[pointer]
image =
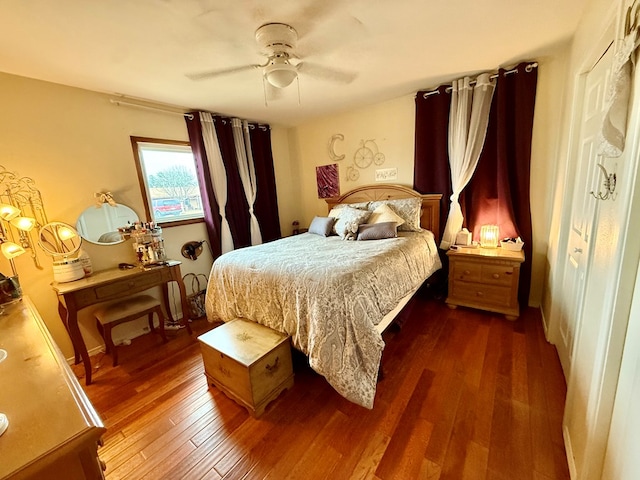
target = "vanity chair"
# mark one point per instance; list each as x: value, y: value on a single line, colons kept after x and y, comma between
x: 128, y: 309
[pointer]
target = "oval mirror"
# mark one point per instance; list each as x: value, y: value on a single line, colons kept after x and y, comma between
x: 59, y: 239
x: 100, y: 225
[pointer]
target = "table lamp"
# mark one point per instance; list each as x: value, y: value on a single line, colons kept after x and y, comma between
x: 489, y: 236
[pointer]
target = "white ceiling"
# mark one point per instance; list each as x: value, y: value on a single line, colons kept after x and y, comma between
x: 144, y: 48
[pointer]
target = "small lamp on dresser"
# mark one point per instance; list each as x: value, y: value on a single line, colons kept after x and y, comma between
x: 489, y: 236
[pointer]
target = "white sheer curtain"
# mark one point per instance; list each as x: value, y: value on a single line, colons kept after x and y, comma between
x: 468, y: 120
x: 219, y: 177
x: 247, y: 172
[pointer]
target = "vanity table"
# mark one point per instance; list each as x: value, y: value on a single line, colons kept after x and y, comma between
x: 110, y: 285
x: 54, y: 431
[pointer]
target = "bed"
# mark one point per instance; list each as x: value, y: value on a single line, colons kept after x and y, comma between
x: 333, y: 296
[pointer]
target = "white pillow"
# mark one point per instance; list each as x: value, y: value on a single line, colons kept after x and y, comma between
x: 349, y: 219
x: 383, y: 214
x: 409, y: 209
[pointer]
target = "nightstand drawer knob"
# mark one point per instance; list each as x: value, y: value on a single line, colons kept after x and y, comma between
x: 479, y: 294
x: 467, y: 272
x: 496, y: 275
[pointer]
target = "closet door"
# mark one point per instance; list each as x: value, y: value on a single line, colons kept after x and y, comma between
x: 583, y: 208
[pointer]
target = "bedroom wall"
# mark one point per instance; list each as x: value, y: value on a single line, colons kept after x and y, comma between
x: 74, y: 143
x: 392, y: 125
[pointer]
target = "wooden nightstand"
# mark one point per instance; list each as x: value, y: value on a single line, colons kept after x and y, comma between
x: 485, y: 278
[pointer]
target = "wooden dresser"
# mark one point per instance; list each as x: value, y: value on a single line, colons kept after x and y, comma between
x: 485, y: 278
x: 54, y: 431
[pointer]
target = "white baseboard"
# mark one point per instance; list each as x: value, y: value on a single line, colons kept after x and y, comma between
x: 92, y: 352
x: 545, y: 324
x: 569, y: 451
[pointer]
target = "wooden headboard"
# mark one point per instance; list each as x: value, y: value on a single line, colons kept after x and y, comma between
x: 429, y: 219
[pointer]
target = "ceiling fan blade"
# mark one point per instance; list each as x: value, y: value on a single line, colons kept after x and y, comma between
x: 327, y: 73
x: 218, y: 73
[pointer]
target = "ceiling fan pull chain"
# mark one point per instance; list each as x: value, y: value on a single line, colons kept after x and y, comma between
x: 264, y: 91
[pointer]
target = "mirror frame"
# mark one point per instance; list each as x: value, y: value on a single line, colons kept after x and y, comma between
x: 49, y: 235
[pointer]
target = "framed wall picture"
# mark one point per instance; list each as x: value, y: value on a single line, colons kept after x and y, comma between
x: 328, y: 181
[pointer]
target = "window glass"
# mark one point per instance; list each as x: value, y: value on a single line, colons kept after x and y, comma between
x: 169, y: 180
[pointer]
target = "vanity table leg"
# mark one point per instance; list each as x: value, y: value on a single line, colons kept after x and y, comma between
x: 183, y: 304
x: 78, y: 342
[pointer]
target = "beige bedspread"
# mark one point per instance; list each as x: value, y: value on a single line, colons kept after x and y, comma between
x: 327, y: 294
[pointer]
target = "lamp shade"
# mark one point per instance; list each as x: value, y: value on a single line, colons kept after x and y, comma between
x: 489, y: 236
x: 280, y: 73
x: 8, y: 212
x: 25, y: 224
x: 11, y: 250
x: 65, y: 233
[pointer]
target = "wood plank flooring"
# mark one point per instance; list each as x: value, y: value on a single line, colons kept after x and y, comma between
x: 465, y: 395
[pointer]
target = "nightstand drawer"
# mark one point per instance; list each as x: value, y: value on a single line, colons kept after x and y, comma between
x: 485, y: 294
x: 497, y: 274
x: 467, y: 271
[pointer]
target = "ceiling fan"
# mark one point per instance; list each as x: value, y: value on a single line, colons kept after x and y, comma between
x: 278, y: 41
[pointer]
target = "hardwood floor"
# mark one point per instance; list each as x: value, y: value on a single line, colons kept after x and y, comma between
x: 465, y: 395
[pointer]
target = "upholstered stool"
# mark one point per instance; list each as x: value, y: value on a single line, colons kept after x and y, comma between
x: 131, y: 308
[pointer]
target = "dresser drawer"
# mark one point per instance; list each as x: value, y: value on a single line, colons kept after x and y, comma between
x: 481, y: 293
x: 467, y: 271
x: 497, y: 274
x: 131, y: 285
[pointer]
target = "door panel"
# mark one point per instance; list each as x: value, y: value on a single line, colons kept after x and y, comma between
x: 582, y: 208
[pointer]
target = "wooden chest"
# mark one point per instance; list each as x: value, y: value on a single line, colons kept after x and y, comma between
x: 487, y: 279
x: 250, y: 363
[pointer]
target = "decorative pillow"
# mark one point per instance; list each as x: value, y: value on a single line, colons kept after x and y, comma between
x: 348, y: 221
x: 322, y: 226
x: 377, y: 231
x: 384, y: 214
x: 360, y: 205
x: 408, y: 208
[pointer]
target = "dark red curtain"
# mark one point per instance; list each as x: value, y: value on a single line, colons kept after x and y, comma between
x: 211, y: 215
x: 499, y: 190
x: 237, y: 208
x: 431, y: 172
x: 266, y: 204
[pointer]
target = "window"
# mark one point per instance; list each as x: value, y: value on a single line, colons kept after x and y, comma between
x: 168, y: 179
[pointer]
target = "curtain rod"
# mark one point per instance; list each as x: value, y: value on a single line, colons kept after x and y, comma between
x: 252, y: 125
x: 148, y: 107
x: 527, y: 69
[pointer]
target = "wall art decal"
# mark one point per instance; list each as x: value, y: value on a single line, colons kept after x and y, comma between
x: 332, y: 147
x: 328, y: 181
x: 367, y: 154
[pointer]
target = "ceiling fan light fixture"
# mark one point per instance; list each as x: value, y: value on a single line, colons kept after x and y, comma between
x: 280, y: 74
